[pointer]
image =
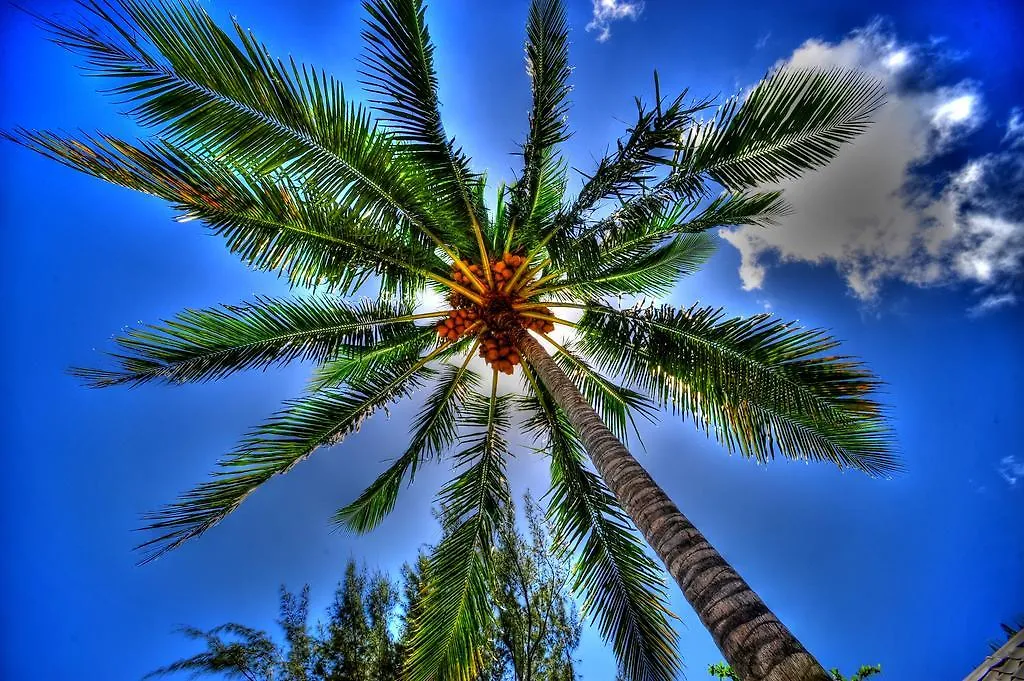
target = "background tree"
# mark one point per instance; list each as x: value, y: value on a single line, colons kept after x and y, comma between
x: 414, y: 592
x: 299, y: 180
x: 233, y: 651
x: 535, y: 628
x: 371, y: 621
x: 300, y: 647
x: 535, y: 618
x: 354, y: 644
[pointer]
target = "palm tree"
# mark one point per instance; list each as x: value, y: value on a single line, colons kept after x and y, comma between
x: 335, y: 195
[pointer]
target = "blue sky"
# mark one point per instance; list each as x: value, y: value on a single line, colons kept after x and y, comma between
x: 909, y: 248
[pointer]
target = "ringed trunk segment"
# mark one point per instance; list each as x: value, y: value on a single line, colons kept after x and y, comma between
x: 751, y: 638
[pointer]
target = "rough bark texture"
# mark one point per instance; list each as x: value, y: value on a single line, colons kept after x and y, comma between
x: 752, y: 639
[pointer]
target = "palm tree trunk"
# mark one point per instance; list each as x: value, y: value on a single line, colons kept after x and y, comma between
x: 752, y: 639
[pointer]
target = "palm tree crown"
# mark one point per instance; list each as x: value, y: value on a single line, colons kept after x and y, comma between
x: 299, y: 179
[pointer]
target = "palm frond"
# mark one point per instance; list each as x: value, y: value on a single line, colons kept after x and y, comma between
x: 268, y: 220
x: 793, y: 121
x: 400, y: 70
x: 546, y: 205
x: 761, y: 385
x: 647, y: 219
x: 184, y: 75
x: 547, y: 62
x: 478, y: 189
x: 625, y: 171
x: 537, y: 194
x: 323, y: 418
x: 760, y: 209
x: 622, y: 587
x: 455, y: 617
x: 434, y: 431
x: 649, y: 222
x: 641, y: 267
x: 355, y: 361
x: 203, y: 345
x: 643, y: 224
x: 498, y: 227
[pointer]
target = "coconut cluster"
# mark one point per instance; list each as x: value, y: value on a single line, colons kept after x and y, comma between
x: 498, y: 351
x: 497, y: 311
x: 502, y: 270
x: 457, y: 322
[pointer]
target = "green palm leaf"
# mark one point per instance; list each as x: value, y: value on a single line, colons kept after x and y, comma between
x: 541, y: 209
x: 793, y: 121
x: 630, y: 245
x: 478, y: 188
x: 400, y: 70
x: 269, y: 221
x: 646, y: 223
x: 641, y: 267
x: 762, y: 386
x: 203, y: 345
x: 547, y: 62
x: 456, y: 611
x: 626, y: 170
x: 322, y: 418
x: 186, y: 76
x: 622, y: 587
x: 538, y: 193
x: 760, y: 209
x: 434, y: 431
x: 356, y: 361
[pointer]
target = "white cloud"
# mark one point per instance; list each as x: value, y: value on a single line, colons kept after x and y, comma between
x: 897, y: 59
x: 762, y: 41
x: 956, y: 113
x: 1015, y: 128
x: 1011, y: 470
x: 869, y: 215
x: 991, y: 246
x: 607, y: 11
x: 969, y: 175
x: 992, y: 302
